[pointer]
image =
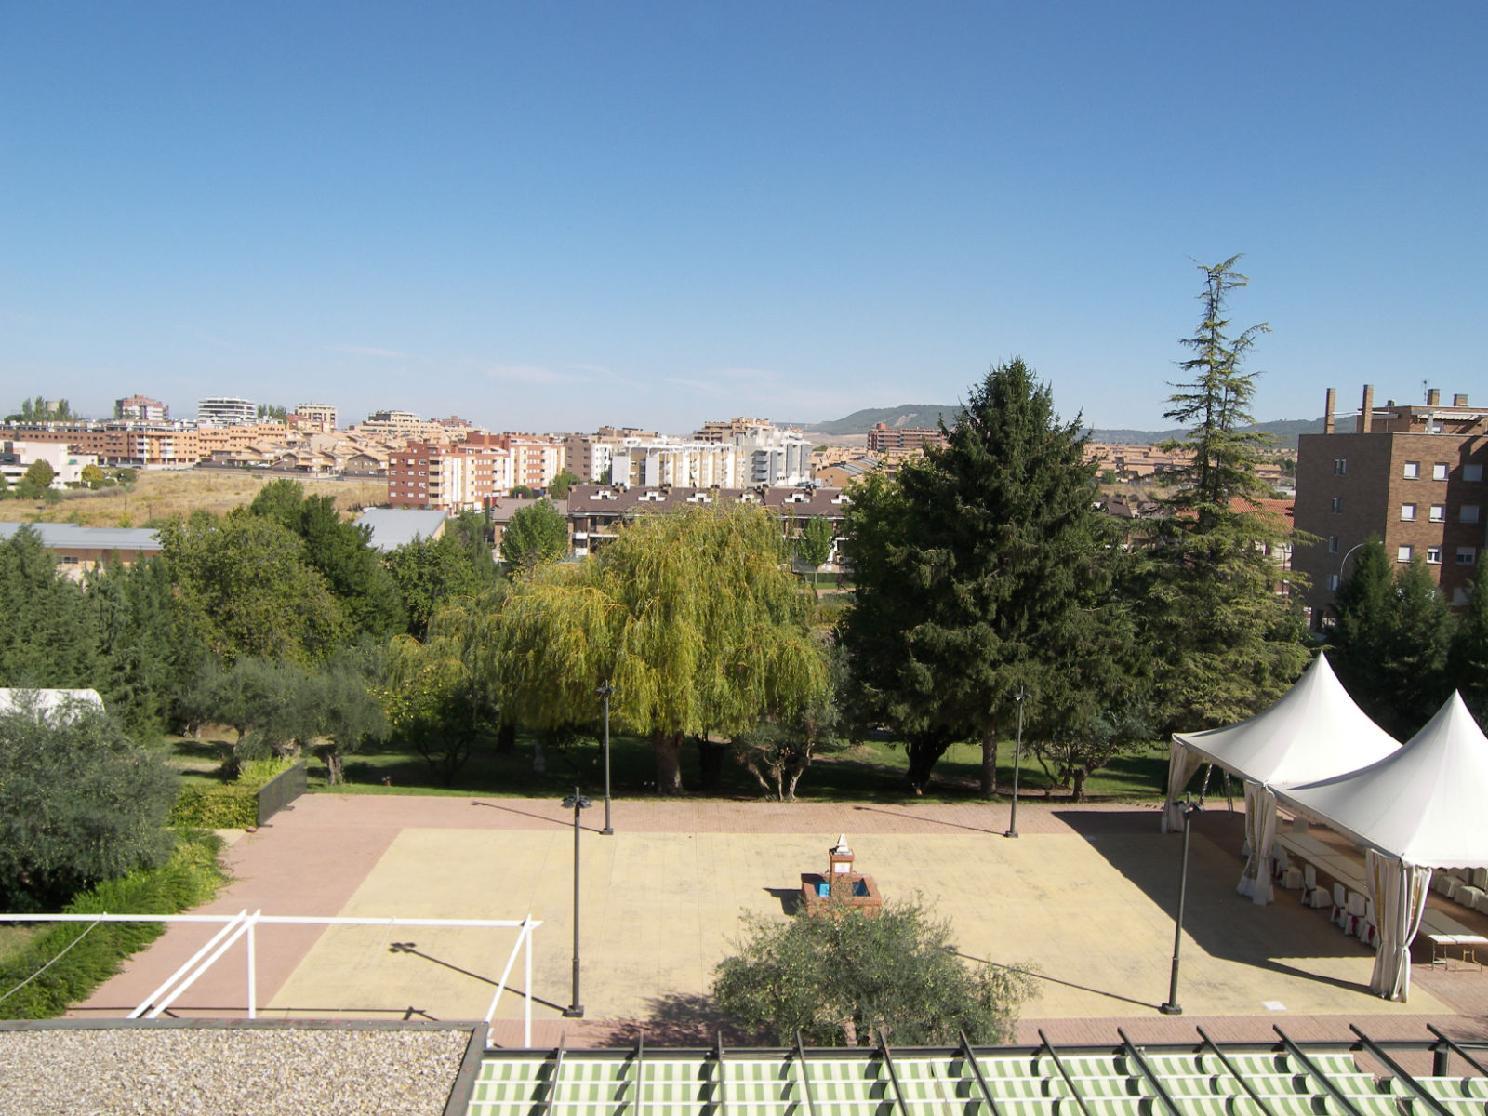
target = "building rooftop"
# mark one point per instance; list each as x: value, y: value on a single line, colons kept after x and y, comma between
x: 69, y: 536
x: 395, y: 527
x: 601, y: 499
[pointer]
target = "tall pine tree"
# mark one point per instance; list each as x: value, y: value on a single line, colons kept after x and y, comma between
x: 980, y: 572
x: 1229, y: 638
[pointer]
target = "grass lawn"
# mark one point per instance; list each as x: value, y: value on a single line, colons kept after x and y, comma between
x: 869, y: 772
x: 161, y: 495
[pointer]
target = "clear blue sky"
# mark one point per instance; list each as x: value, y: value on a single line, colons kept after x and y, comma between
x: 554, y: 215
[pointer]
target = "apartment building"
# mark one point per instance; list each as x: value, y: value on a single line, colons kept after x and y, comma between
x: 225, y: 410
x: 885, y: 439
x: 317, y: 417
x: 1408, y: 475
x: 536, y: 459
x: 141, y: 408
x: 729, y: 430
x: 402, y: 426
x: 118, y: 443
x: 681, y: 464
x: 448, y: 477
x: 67, y: 464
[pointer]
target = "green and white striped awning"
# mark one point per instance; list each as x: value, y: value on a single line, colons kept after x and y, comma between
x: 1287, y: 1079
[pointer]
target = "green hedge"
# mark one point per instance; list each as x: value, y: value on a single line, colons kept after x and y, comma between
x: 226, y: 806
x: 189, y: 878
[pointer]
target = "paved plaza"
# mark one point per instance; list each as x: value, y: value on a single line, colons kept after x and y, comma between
x: 1083, y: 898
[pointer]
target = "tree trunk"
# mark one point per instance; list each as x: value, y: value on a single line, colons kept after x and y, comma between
x: 710, y: 763
x: 332, y: 759
x: 924, y: 750
x: 668, y: 747
x: 506, y: 739
x: 987, y: 776
x: 539, y: 755
x: 1077, y: 779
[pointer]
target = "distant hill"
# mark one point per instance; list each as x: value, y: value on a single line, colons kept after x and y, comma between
x: 925, y: 415
x: 1285, y: 432
x: 906, y: 414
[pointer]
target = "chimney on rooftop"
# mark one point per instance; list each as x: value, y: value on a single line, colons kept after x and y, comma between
x: 1366, y: 410
x: 1330, y: 404
x: 1460, y: 399
x: 1433, y: 397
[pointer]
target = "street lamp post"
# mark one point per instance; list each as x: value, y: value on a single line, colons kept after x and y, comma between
x: 604, y: 692
x: 576, y: 802
x: 1012, y: 829
x: 1172, y: 1007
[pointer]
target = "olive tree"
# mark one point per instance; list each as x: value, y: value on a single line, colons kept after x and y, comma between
x: 854, y: 977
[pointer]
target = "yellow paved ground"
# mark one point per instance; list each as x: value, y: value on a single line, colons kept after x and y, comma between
x: 1093, y: 914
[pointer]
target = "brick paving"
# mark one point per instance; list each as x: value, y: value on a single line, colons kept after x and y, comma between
x: 324, y: 855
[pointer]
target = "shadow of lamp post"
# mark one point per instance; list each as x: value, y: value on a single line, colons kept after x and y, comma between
x: 1171, y: 1007
x: 604, y: 692
x: 1012, y: 829
x: 576, y: 802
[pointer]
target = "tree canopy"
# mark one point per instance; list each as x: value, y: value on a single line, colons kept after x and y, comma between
x: 536, y: 534
x: 693, y: 617
x: 981, y: 571
x: 857, y: 979
x: 247, y: 590
x: 1229, y: 636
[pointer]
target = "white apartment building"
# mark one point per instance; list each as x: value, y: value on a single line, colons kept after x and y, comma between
x: 773, y: 457
x: 17, y: 457
x: 683, y: 464
x: 225, y: 410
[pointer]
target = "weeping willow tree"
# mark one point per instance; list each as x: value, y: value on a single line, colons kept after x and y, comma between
x: 694, y: 618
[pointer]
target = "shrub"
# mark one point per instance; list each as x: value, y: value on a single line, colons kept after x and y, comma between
x: 187, y: 879
x: 850, y: 977
x: 79, y: 803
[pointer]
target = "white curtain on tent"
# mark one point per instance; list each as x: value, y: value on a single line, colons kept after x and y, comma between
x: 1260, y: 834
x: 1182, y: 763
x: 1399, y: 893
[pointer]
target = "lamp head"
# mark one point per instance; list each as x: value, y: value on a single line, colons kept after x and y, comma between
x: 604, y: 689
x: 577, y: 802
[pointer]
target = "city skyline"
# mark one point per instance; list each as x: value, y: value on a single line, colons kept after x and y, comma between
x: 550, y: 220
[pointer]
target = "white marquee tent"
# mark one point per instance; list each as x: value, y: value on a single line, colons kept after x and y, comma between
x: 1418, y: 808
x: 1314, y: 732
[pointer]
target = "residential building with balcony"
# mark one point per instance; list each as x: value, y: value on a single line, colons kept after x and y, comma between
x: 141, y: 408
x: 1408, y: 475
x: 225, y: 410
x: 887, y: 439
x: 317, y: 417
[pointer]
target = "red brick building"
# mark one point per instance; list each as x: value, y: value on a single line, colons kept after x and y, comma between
x: 1408, y: 475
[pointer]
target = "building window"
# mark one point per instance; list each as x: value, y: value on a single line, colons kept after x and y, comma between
x: 1338, y: 503
x: 1404, y: 553
x: 1332, y: 582
x: 1412, y: 470
x: 1467, y: 555
x: 1468, y: 513
x: 1433, y: 556
x: 1472, y: 472
x: 1439, y: 471
x: 1332, y: 544
x: 1408, y: 513
x: 1340, y: 466
x: 1437, y: 513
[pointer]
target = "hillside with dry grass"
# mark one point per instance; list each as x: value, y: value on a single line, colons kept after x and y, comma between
x: 162, y: 495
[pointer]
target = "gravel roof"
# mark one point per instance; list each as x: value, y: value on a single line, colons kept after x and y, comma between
x: 294, y: 1070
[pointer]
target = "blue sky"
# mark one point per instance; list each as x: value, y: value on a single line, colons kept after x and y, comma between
x: 547, y: 216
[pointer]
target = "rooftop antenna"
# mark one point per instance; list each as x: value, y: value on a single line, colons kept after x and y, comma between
x: 1426, y: 391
